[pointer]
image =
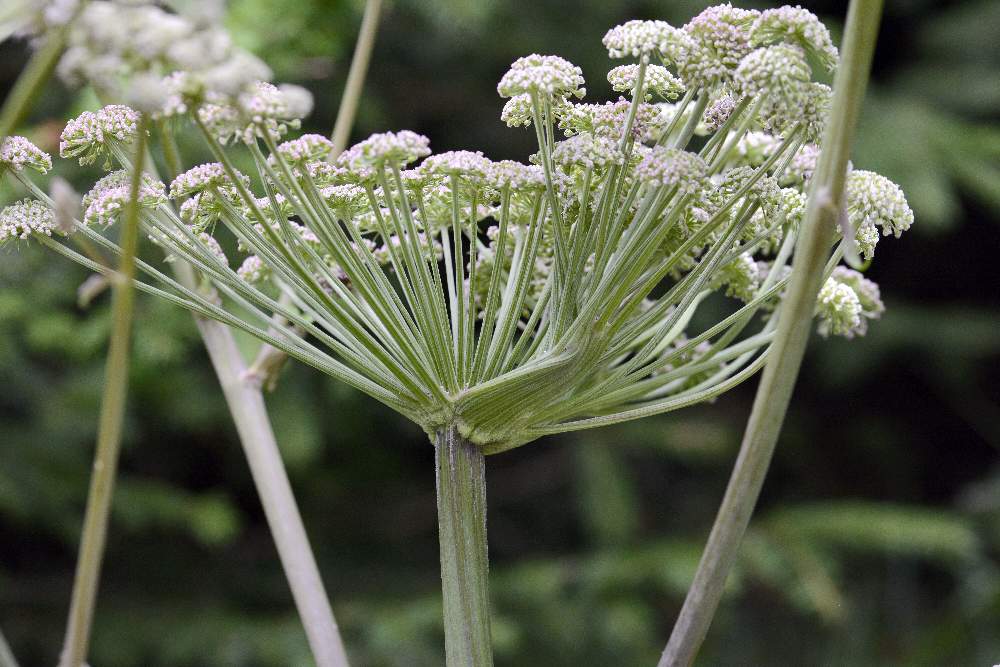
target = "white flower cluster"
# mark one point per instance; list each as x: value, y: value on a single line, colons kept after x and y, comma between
x: 673, y: 168
x: 18, y: 153
x: 87, y: 136
x: 26, y: 217
x: 204, y: 177
x: 587, y: 151
x: 307, y: 148
x: 517, y: 176
x: 640, y: 38
x: 123, y: 48
x: 721, y: 37
x: 398, y: 148
x: 874, y: 200
x: 658, y: 80
x: 778, y: 76
x: 419, y: 277
x: 846, y: 302
x: 797, y: 26
x: 550, y: 76
x: 107, y: 200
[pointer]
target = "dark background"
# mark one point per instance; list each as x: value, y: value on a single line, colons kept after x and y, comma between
x: 877, y: 535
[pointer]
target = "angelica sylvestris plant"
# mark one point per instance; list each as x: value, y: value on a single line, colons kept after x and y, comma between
x: 493, y: 303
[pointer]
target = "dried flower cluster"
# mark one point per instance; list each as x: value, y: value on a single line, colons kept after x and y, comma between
x: 510, y: 300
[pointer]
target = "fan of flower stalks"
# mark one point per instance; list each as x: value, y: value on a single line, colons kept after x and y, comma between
x: 493, y: 303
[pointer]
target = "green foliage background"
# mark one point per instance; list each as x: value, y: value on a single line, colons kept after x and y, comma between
x: 877, y: 537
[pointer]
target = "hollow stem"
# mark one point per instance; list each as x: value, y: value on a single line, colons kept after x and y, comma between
x: 461, y: 499
x: 785, y: 357
x: 109, y: 433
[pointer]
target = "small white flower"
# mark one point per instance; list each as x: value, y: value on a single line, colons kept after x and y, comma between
x: 517, y: 176
x: 839, y: 309
x: 307, y: 148
x: 472, y: 165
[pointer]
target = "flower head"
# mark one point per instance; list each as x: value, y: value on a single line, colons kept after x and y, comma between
x: 639, y: 38
x: 657, y: 81
x: 26, y: 217
x: 847, y: 302
x: 110, y: 195
x: 469, y: 164
x: 778, y: 75
x: 18, y: 153
x: 307, y: 148
x: 201, y: 178
x: 542, y: 75
x: 875, y: 200
x: 87, y: 135
x: 721, y: 35
x: 671, y: 167
x: 795, y: 25
x: 397, y: 148
x: 587, y: 151
x: 517, y: 176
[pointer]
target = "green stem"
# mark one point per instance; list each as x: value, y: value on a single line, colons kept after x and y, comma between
x: 356, y: 76
x: 102, y: 481
x: 785, y: 357
x: 6, y: 655
x: 31, y: 81
x: 461, y: 493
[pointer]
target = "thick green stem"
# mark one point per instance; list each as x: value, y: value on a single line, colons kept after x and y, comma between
x: 785, y: 357
x: 461, y: 500
x: 102, y: 481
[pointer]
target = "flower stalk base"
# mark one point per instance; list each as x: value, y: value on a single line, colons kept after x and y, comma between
x: 461, y: 500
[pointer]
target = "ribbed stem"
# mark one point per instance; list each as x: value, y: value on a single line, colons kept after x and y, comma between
x: 785, y: 357
x: 461, y: 500
x: 109, y: 431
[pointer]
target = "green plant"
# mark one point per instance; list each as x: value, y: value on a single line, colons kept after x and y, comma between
x: 571, y: 311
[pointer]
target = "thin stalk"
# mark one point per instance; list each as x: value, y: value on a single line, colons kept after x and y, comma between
x: 6, y: 655
x: 246, y: 403
x: 785, y: 356
x: 31, y: 81
x: 246, y: 406
x: 356, y: 76
x: 461, y: 500
x: 109, y: 432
